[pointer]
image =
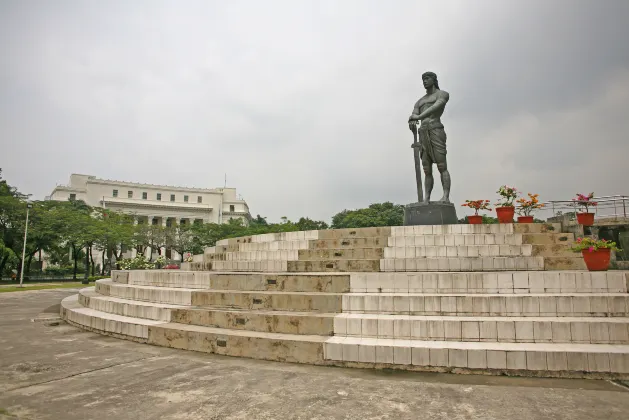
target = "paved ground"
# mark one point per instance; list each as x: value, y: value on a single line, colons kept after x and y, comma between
x: 61, y: 372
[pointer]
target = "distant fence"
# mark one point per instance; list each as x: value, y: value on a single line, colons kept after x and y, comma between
x: 608, y: 207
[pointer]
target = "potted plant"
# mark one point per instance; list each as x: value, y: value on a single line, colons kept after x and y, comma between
x: 526, y: 207
x: 505, y: 208
x: 476, y: 205
x: 585, y: 201
x: 596, y: 252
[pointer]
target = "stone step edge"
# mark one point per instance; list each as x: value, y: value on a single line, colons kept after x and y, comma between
x: 91, y: 293
x: 483, y: 345
x: 353, y: 315
x: 71, y: 303
x: 521, y: 359
x: 146, y: 287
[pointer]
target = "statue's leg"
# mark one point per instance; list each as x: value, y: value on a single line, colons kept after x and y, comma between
x: 442, y: 166
x: 429, y: 181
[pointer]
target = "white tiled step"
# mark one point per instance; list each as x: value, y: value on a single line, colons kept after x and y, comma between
x: 274, y: 246
x: 456, y: 239
x: 462, y: 264
x: 163, y: 278
x: 74, y: 312
x: 518, y: 282
x: 559, y: 304
x: 170, y: 295
x: 132, y: 308
x: 283, y: 255
x: 608, y: 358
x: 458, y: 251
x: 263, y: 266
x: 508, y: 228
x: 273, y: 237
x: 495, y: 329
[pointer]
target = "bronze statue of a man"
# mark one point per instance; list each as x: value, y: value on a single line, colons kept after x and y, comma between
x: 432, y: 137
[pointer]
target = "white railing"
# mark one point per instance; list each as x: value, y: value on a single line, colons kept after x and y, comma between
x: 608, y: 207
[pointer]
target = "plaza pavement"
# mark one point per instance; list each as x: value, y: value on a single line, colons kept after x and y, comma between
x: 50, y: 370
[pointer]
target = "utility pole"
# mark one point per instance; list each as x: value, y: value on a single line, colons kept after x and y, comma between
x: 29, y: 205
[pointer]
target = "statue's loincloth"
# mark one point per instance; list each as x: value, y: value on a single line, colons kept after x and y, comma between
x: 432, y: 138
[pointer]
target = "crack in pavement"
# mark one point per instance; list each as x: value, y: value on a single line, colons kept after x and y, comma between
x: 79, y: 374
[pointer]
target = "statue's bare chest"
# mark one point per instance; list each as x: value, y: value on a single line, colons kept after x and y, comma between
x: 427, y: 101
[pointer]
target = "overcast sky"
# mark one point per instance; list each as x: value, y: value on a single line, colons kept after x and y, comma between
x: 304, y: 103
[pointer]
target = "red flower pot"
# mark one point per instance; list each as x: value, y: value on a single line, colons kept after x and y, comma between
x: 585, y: 219
x: 597, y: 260
x: 525, y: 219
x: 475, y: 220
x: 505, y: 214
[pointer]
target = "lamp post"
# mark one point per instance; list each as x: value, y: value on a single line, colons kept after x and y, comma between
x: 29, y: 205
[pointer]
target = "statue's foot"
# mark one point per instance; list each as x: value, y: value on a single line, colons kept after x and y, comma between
x: 444, y: 200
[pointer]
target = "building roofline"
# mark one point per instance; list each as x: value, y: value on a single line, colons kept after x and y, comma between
x: 95, y: 180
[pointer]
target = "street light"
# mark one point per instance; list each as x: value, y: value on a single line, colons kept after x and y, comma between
x: 29, y: 205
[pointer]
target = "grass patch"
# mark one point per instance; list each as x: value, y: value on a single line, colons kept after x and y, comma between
x: 26, y: 288
x: 5, y: 413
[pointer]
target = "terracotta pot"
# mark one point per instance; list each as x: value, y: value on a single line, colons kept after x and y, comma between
x: 597, y: 260
x: 475, y: 220
x: 505, y: 214
x: 525, y: 219
x: 585, y: 219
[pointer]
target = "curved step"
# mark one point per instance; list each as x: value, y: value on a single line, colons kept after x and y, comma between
x: 589, y: 330
x: 514, y: 282
x: 507, y: 358
x: 285, y: 322
x: 167, y: 295
x: 537, y: 358
x: 459, y: 304
x: 136, y: 329
x: 125, y: 307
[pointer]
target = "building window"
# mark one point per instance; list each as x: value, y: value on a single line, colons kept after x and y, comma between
x: 199, y: 199
x: 159, y: 196
x: 172, y: 197
x: 154, y: 221
x: 115, y: 193
x: 182, y: 222
x: 185, y: 198
x: 198, y: 221
x: 129, y: 194
x: 72, y: 197
x: 168, y: 223
x: 145, y: 196
x: 232, y: 208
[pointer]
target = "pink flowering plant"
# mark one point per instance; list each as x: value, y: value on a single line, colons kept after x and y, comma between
x: 592, y: 244
x: 507, y: 196
x: 584, y: 201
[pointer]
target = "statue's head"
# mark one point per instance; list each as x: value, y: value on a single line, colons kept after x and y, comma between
x: 430, y: 79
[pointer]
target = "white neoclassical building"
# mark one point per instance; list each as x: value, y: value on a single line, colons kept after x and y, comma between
x: 155, y: 204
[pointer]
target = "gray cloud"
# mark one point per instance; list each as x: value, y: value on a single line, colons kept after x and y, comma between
x: 304, y: 104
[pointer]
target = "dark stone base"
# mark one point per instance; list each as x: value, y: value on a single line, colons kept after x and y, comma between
x: 430, y: 214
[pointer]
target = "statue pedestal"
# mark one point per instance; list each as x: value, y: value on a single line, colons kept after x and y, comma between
x: 430, y: 214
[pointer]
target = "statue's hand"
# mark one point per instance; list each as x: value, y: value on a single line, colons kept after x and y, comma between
x: 411, y: 125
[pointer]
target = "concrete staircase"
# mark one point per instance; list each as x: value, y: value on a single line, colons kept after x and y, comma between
x: 499, y: 299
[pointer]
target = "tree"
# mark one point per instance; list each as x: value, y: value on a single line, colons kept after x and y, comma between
x: 306, y: 223
x: 379, y: 214
x: 181, y: 239
x: 116, y: 232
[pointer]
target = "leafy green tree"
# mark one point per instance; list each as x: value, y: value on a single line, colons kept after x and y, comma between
x: 305, y: 223
x: 378, y: 214
x: 181, y: 239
